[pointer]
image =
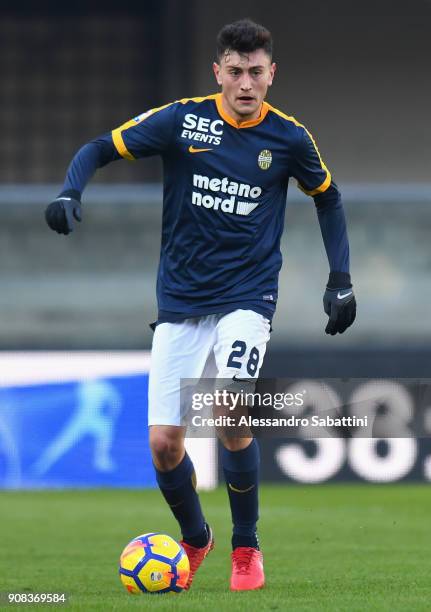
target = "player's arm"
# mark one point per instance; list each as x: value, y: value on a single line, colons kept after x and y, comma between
x: 338, y: 301
x: 66, y: 208
x: 145, y: 135
x: 315, y: 180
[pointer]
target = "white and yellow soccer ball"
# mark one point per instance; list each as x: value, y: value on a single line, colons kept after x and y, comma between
x: 154, y: 563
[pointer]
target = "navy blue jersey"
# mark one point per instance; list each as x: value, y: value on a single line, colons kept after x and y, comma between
x: 225, y: 187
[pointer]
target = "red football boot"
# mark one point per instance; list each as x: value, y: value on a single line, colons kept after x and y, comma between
x: 196, y: 556
x: 247, y: 569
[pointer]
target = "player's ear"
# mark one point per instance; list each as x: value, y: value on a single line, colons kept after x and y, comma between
x: 216, y: 69
x: 272, y: 70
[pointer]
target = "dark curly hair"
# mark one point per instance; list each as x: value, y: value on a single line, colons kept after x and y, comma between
x: 243, y: 36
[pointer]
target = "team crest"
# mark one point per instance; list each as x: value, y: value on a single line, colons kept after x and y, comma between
x: 265, y: 159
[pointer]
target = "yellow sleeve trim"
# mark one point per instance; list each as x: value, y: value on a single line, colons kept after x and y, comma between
x: 321, y: 188
x: 119, y: 142
x: 324, y: 186
x: 117, y: 133
x: 117, y: 136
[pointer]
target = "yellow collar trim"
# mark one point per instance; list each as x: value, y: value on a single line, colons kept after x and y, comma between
x: 245, y: 124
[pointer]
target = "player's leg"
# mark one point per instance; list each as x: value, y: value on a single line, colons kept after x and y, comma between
x: 179, y: 350
x: 241, y: 344
x: 177, y: 481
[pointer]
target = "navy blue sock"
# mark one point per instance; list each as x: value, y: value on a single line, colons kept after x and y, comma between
x: 179, y: 490
x: 241, y: 472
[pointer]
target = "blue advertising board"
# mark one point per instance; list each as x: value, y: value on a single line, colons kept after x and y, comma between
x: 82, y: 433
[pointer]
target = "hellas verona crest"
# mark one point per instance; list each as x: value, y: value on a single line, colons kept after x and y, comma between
x: 265, y: 159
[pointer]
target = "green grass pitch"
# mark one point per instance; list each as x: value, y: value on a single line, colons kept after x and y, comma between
x: 330, y: 547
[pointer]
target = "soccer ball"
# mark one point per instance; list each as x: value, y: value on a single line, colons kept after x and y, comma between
x: 154, y: 563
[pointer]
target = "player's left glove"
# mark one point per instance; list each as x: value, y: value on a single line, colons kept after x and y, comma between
x: 62, y: 212
x: 339, y: 303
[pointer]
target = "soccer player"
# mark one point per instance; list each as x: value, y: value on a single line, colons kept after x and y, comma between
x: 227, y: 159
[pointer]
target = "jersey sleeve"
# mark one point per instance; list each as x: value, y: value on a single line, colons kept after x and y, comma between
x: 88, y: 159
x: 332, y: 223
x: 147, y: 134
x: 307, y: 166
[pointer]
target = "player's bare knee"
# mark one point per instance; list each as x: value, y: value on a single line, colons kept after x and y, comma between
x: 167, y: 446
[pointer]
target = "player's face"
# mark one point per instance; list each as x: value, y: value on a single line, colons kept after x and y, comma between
x: 244, y: 80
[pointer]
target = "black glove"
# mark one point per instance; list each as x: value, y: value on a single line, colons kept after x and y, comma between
x: 339, y: 303
x: 61, y: 212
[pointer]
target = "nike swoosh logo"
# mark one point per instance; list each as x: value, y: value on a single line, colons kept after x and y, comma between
x: 341, y: 296
x: 193, y: 150
x: 232, y: 488
x: 247, y: 380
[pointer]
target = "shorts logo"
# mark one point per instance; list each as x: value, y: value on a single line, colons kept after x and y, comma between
x: 265, y: 159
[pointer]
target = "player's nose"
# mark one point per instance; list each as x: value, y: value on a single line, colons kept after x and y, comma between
x: 245, y: 83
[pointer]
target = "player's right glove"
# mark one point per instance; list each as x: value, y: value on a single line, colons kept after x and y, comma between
x: 339, y: 303
x: 62, y: 212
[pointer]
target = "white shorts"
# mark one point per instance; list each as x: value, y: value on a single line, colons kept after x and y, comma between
x: 213, y: 346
